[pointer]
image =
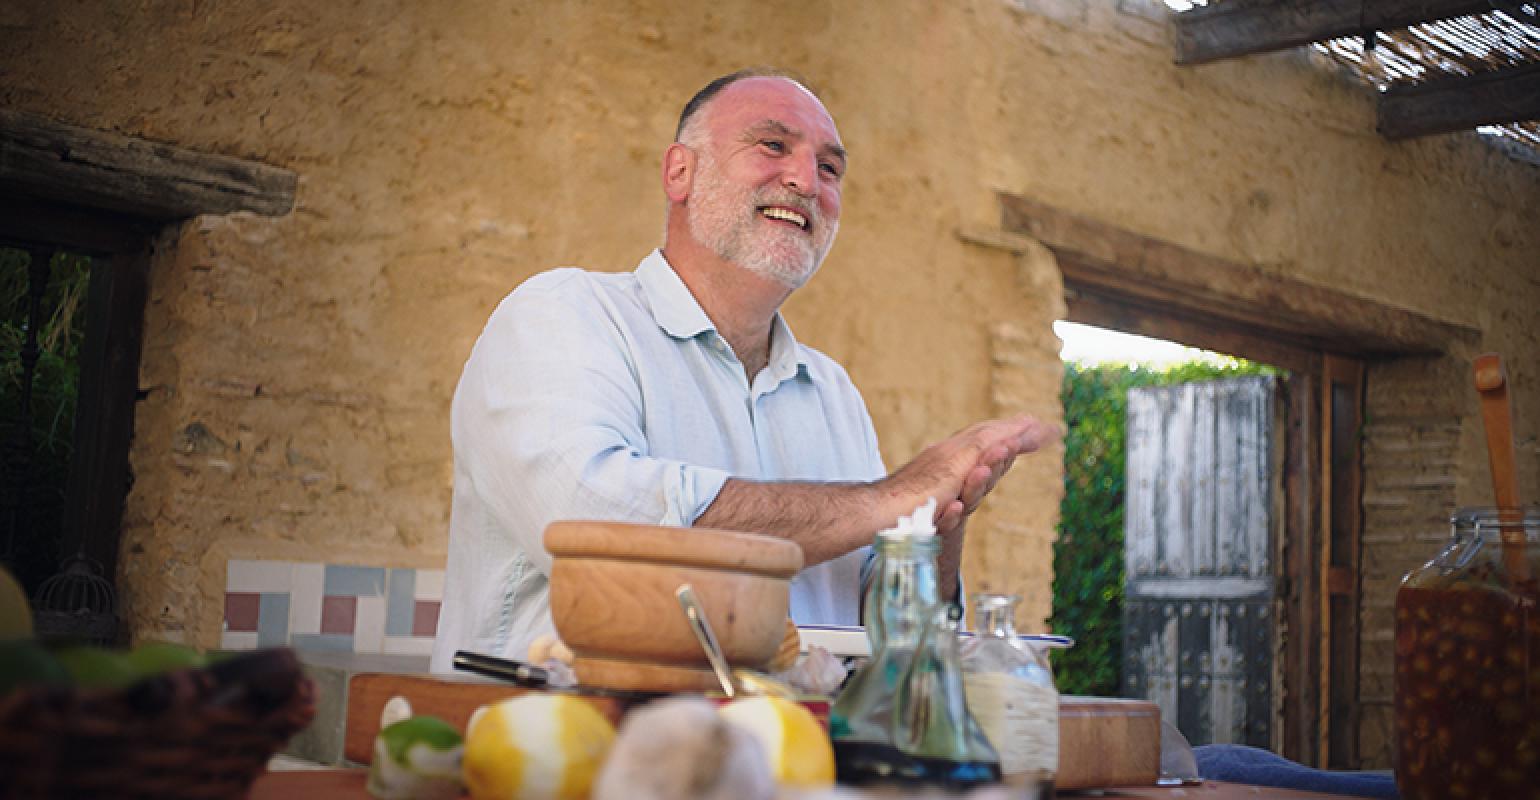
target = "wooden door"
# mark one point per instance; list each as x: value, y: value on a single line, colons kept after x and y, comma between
x: 1199, y: 634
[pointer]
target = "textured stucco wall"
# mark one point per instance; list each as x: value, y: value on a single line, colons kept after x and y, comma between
x: 299, y: 369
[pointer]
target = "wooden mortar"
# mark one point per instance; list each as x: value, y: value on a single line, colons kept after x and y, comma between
x: 612, y: 600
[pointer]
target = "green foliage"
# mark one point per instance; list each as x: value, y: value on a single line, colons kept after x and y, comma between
x: 1088, y: 556
x: 56, y: 380
x: 55, y: 388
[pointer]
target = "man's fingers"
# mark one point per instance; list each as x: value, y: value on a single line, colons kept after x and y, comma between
x: 1021, y: 434
x: 996, y: 455
x: 1037, y: 435
x: 975, y: 486
x: 967, y: 466
x: 950, y: 518
x: 997, y: 458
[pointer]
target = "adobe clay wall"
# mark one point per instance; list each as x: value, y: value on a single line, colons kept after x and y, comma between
x: 298, y: 370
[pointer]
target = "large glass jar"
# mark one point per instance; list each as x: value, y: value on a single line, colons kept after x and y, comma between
x: 1010, y: 692
x: 1468, y: 663
x: 903, y: 717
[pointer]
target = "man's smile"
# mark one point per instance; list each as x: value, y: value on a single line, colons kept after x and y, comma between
x: 786, y: 215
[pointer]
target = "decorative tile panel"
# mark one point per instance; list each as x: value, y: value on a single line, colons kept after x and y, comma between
x: 273, y: 619
x: 400, y: 602
x: 257, y: 576
x: 361, y: 581
x: 241, y: 611
x: 338, y: 613
x: 306, y: 590
x: 331, y: 607
x: 425, y: 618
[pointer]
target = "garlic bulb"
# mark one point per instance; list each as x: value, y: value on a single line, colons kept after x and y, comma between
x: 679, y: 747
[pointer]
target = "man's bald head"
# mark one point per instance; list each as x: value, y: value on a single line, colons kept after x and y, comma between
x: 690, y: 116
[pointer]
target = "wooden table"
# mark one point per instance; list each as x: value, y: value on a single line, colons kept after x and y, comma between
x: 348, y: 784
x: 1102, y: 740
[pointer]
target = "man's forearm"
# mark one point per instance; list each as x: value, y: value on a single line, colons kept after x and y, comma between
x: 828, y: 520
x: 831, y: 519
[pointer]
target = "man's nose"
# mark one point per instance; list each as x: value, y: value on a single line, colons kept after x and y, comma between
x: 800, y: 174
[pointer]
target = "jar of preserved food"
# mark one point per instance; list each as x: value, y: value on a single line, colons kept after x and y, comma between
x: 1468, y: 662
x: 1010, y: 691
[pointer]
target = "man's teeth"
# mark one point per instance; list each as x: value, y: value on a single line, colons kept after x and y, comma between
x: 785, y: 214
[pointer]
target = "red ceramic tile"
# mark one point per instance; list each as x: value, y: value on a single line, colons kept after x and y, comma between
x: 425, y: 618
x: 241, y: 611
x: 338, y: 612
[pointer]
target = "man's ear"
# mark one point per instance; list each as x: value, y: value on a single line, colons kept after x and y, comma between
x: 678, y: 172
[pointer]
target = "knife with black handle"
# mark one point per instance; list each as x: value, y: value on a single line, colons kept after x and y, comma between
x: 493, y: 667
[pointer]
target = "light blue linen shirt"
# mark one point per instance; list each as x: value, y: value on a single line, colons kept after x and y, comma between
x: 611, y: 396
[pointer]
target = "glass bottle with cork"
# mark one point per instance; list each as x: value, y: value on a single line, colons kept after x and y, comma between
x: 903, y: 717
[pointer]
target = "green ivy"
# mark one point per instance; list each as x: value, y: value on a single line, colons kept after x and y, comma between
x: 1088, y: 556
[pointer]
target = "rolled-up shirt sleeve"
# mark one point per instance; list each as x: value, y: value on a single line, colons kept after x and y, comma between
x: 548, y: 424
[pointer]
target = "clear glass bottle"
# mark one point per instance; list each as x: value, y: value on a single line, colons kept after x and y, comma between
x: 1467, y: 693
x: 903, y: 717
x: 1011, y: 694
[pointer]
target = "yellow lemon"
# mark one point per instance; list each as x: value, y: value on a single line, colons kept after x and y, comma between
x: 799, y: 748
x: 535, y: 747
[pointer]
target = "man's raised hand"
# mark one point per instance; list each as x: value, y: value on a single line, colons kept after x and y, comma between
x: 962, y: 469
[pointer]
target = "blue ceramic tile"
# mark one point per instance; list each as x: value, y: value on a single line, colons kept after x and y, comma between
x: 400, y: 602
x: 273, y: 620
x: 324, y: 642
x: 360, y: 581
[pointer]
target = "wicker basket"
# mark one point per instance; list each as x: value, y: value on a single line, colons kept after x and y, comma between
x: 197, y: 733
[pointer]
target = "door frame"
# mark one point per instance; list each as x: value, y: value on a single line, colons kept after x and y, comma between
x: 1303, y: 667
x: 117, y: 199
x: 1318, y: 545
x: 1324, y: 338
x: 120, y: 250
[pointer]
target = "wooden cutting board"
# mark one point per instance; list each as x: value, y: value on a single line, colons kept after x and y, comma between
x: 447, y: 698
x: 1102, y: 741
x: 1107, y: 741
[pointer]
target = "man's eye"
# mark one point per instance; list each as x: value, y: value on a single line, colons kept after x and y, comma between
x: 773, y: 145
x: 830, y: 169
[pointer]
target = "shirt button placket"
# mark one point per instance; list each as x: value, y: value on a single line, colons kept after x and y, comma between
x: 760, y: 448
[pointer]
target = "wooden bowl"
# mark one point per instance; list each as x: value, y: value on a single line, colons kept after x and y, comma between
x: 612, y: 592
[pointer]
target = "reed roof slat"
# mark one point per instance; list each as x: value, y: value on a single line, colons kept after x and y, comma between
x: 1496, y: 41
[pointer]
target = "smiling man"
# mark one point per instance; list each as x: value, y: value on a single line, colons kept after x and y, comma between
x: 676, y: 395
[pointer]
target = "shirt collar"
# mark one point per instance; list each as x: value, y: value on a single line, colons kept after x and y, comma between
x: 673, y: 307
x: 676, y: 311
x: 786, y: 357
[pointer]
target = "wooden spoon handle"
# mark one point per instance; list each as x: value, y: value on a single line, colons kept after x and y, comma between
x: 1497, y: 417
x: 1492, y: 383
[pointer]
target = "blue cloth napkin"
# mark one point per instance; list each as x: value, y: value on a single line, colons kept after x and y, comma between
x: 1241, y: 764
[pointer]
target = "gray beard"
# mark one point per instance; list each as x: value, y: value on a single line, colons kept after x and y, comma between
x: 716, y: 222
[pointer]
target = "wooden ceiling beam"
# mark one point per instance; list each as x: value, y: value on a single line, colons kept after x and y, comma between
x: 1243, y: 27
x: 125, y: 175
x: 1456, y: 104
